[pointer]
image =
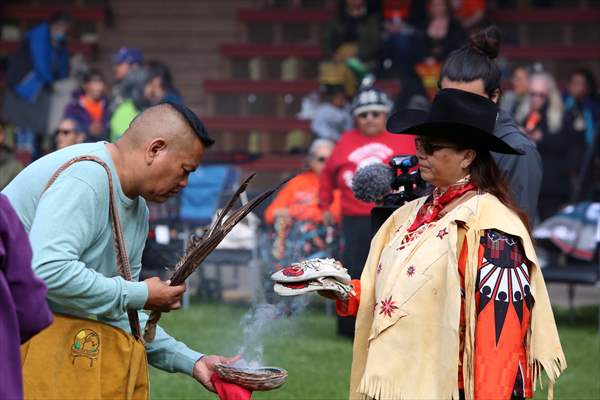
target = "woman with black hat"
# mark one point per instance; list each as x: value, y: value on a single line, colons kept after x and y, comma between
x: 451, y: 302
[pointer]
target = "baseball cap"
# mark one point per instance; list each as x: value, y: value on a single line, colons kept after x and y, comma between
x: 129, y: 55
x: 370, y: 99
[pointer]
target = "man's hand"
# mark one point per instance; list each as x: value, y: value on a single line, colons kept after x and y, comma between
x: 161, y: 296
x: 205, y: 367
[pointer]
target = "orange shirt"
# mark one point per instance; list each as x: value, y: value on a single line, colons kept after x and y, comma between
x: 300, y: 197
x: 94, y: 108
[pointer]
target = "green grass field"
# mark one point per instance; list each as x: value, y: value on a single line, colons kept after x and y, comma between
x: 319, y: 363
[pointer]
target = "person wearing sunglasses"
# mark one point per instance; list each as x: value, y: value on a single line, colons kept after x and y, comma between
x: 451, y: 302
x: 297, y: 221
x: 368, y: 143
x: 68, y: 133
x: 543, y: 117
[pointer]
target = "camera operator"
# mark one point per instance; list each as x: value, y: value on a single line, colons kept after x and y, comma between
x: 368, y: 143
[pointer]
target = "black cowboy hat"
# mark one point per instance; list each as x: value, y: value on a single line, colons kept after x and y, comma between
x: 462, y: 117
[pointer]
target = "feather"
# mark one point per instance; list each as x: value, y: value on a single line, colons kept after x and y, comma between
x: 199, y: 250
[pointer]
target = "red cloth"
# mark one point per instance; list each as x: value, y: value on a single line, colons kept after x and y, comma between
x: 355, y: 150
x: 429, y: 211
x: 229, y: 391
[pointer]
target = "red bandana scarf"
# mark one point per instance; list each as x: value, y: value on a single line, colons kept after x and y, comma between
x: 431, y: 209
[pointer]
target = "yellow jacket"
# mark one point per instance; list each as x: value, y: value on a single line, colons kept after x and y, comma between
x: 413, y: 351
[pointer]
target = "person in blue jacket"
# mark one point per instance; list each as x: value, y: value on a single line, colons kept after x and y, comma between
x: 41, y: 59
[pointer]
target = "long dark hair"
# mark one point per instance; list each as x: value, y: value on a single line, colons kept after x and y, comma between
x: 475, y: 61
x: 488, y: 178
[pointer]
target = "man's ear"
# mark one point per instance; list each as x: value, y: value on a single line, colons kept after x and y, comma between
x: 154, y: 149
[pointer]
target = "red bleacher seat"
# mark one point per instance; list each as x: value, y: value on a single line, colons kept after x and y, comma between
x: 563, y: 52
x: 246, y: 124
x: 302, y: 86
x: 41, y: 12
x: 262, y: 86
x: 248, y: 50
x: 559, y: 14
x: 284, y: 16
x: 558, y: 52
x: 276, y: 162
x: 10, y: 46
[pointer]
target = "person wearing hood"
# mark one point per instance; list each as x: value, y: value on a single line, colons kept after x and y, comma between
x: 42, y: 58
x: 89, y: 106
x: 142, y: 91
x: 472, y: 68
x: 40, y: 61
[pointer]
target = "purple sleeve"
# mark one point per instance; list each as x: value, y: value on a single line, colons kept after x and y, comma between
x: 27, y: 291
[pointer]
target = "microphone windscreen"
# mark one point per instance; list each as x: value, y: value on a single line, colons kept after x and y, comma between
x: 372, y: 182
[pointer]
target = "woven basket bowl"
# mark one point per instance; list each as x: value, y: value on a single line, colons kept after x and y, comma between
x: 264, y: 378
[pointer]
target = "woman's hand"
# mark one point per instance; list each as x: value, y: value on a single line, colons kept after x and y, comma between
x: 205, y: 367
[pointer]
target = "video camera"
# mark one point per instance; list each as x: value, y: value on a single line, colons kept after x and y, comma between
x: 388, y: 186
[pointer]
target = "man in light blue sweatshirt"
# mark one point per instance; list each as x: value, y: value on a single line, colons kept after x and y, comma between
x: 71, y: 235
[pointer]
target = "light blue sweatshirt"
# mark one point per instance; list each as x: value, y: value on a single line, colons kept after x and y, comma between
x: 73, y: 249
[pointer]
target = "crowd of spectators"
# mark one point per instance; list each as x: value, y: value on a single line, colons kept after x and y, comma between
x: 413, y: 42
x: 437, y: 44
x: 52, y: 101
x: 563, y: 126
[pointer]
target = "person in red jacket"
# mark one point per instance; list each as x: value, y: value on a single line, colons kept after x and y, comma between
x: 367, y: 144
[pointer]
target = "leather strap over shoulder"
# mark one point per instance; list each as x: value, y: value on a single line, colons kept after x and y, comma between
x: 120, y: 251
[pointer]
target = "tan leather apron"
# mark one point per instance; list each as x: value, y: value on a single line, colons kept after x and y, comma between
x: 78, y: 358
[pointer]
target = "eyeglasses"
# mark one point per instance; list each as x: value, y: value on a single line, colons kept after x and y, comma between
x: 320, y: 159
x: 429, y: 148
x: 63, y: 131
x: 364, y: 115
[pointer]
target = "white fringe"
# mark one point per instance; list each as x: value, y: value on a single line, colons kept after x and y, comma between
x: 383, y: 389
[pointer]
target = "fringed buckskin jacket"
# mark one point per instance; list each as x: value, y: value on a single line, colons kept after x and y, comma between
x: 423, y: 294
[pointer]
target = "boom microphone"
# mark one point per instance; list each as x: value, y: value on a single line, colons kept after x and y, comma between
x: 372, y: 182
